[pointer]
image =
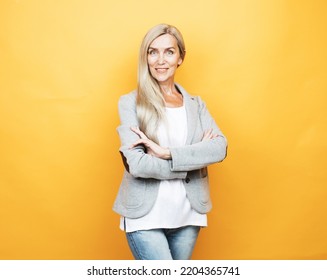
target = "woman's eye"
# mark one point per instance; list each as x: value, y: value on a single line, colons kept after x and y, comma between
x: 152, y: 52
x: 170, y: 52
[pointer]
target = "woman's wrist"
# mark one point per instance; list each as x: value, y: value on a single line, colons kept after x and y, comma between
x: 167, y: 154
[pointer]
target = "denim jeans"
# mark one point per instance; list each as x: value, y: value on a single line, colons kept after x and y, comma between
x: 163, y: 244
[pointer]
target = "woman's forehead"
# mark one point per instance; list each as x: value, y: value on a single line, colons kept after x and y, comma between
x: 164, y: 41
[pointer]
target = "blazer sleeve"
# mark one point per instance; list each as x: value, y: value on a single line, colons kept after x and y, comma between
x: 202, y: 153
x: 137, y: 162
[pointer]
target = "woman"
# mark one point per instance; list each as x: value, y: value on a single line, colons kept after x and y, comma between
x: 168, y: 138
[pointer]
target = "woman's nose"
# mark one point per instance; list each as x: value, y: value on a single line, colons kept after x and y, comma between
x: 161, y: 58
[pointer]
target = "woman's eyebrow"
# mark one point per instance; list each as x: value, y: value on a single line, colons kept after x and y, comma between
x: 152, y: 48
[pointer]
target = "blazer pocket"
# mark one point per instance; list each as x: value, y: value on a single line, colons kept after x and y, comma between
x: 133, y: 192
x: 204, y: 192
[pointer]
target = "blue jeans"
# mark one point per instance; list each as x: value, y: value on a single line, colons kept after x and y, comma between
x: 163, y: 244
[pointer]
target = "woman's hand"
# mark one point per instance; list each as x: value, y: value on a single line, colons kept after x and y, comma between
x: 151, y: 147
x: 158, y: 151
x: 207, y: 135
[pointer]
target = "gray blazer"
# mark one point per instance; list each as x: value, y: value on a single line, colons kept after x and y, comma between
x: 143, y: 172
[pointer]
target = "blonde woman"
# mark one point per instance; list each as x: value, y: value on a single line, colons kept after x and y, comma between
x: 168, y: 138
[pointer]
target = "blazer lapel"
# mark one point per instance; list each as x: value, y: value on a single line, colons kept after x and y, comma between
x: 191, y: 107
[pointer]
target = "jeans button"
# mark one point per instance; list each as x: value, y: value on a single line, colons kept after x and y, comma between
x: 187, y: 180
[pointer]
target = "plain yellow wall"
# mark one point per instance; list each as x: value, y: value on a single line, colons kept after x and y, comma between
x: 259, y: 65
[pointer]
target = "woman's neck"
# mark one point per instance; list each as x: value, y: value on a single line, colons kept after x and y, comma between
x: 171, y: 95
x: 168, y: 88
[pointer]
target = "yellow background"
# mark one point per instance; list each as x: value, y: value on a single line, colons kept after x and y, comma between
x: 259, y: 65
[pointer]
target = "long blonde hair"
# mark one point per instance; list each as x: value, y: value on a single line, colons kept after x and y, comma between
x: 150, y: 103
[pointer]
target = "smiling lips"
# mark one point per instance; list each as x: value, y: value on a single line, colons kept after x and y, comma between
x: 161, y: 70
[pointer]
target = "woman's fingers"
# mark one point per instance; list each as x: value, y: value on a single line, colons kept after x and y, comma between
x: 138, y: 142
x: 144, y: 140
x: 208, y: 134
x: 138, y: 132
x: 151, y: 147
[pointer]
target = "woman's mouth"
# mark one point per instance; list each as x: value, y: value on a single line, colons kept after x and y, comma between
x: 161, y: 70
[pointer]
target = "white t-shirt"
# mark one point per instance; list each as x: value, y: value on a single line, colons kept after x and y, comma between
x: 172, y: 208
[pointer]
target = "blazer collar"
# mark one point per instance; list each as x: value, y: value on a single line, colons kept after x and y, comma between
x: 191, y: 107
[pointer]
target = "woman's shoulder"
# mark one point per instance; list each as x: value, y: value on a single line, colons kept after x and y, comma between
x: 191, y: 96
x: 128, y: 97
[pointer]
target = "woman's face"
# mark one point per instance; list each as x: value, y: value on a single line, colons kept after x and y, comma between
x: 164, y: 58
